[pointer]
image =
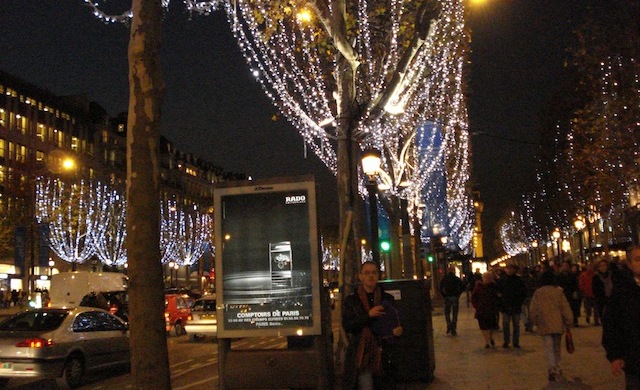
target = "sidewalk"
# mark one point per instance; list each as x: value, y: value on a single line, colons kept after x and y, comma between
x: 462, y: 362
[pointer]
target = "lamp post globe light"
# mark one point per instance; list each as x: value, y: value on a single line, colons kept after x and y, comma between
x: 579, y: 225
x: 534, y: 247
x: 371, y: 160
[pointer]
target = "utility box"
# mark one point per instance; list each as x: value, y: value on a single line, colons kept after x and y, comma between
x: 412, y: 355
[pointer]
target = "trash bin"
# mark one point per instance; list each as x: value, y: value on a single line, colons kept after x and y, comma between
x: 412, y: 355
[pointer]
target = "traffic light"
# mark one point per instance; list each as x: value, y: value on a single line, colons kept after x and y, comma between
x: 385, y: 246
x: 430, y: 258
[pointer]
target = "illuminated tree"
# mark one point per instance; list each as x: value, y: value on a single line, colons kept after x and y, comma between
x: 368, y: 73
x: 74, y: 216
x: 194, y: 230
x: 512, y: 235
x: 169, y: 229
x: 109, y: 242
x: 592, y: 168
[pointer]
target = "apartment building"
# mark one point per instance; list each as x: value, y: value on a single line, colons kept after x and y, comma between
x: 38, y: 132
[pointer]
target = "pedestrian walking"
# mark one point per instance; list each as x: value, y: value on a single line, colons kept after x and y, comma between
x: 567, y: 279
x: 552, y: 316
x: 585, y: 283
x: 485, y: 300
x: 512, y: 294
x: 602, y: 285
x: 451, y: 287
x: 621, y: 324
x: 371, y: 320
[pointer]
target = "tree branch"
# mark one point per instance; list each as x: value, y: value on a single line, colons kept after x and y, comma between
x: 336, y: 27
x: 426, y: 19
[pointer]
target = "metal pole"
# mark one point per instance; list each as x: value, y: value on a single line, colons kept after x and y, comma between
x: 373, y: 213
x: 581, y: 241
x: 32, y: 239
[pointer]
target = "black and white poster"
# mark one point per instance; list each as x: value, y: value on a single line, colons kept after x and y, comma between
x: 267, y: 268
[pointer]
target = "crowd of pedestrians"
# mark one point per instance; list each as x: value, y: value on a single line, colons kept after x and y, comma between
x: 550, y: 300
x: 13, y: 298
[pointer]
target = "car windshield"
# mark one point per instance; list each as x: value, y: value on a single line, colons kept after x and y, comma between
x: 204, y: 305
x: 34, y: 321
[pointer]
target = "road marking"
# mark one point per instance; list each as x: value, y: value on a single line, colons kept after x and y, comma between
x: 192, y: 368
x: 193, y: 384
x: 181, y: 363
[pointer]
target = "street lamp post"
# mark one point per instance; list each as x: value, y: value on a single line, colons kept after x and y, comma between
x: 371, y: 166
x: 56, y: 163
x: 177, y: 268
x: 579, y: 225
x: 556, y: 235
x: 534, y: 246
x: 171, y: 265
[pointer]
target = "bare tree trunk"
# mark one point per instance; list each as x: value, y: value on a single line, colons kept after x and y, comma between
x: 348, y: 153
x: 149, y: 355
x: 407, y: 252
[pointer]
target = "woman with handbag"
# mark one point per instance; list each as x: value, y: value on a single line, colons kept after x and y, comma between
x: 551, y: 315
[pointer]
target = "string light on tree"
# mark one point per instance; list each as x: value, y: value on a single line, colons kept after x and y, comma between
x: 74, y: 216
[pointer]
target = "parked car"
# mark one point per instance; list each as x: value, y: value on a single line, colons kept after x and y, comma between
x: 62, y: 344
x: 176, y: 313
x: 202, y: 320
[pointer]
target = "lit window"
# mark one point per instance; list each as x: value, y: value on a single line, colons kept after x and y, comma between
x: 74, y: 143
x: 21, y: 153
x: 40, y: 131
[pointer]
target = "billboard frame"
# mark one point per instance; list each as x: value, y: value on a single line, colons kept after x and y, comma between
x: 304, y: 184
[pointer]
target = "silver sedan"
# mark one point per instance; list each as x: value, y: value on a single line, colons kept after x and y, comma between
x: 202, y: 320
x: 61, y: 344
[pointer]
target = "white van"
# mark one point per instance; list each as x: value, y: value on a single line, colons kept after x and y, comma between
x: 107, y: 290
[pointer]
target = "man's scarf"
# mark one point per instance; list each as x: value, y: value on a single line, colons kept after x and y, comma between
x: 369, y: 352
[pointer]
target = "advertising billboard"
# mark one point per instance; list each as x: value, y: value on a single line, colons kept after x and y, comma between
x: 267, y: 267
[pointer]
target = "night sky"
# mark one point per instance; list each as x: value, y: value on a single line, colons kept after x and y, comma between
x: 215, y: 109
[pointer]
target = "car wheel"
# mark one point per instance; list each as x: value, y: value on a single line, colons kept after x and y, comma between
x: 73, y: 372
x: 177, y: 328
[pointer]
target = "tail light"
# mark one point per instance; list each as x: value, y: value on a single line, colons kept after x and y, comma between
x: 35, y: 343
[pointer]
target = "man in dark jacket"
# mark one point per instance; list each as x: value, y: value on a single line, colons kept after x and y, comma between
x: 569, y: 281
x: 512, y: 293
x: 621, y: 324
x: 451, y: 287
x: 371, y: 320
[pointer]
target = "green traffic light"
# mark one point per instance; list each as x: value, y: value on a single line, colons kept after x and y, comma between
x: 385, y: 246
x: 430, y: 258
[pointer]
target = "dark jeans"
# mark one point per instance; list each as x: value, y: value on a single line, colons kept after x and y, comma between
x: 451, y: 304
x: 507, y: 320
x: 590, y: 308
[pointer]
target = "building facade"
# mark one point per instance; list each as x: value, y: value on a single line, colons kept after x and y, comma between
x: 39, y: 131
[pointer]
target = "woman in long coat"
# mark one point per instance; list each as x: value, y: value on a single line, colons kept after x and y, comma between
x: 485, y: 300
x: 551, y: 314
